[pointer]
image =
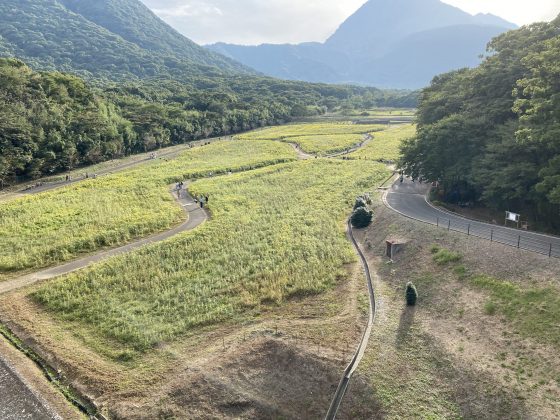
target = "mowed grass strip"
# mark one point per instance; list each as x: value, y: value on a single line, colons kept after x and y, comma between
x: 52, y: 227
x: 385, y: 144
x: 276, y: 232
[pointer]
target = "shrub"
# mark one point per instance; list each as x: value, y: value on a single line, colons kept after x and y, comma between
x: 411, y: 294
x: 361, y: 217
x: 360, y: 202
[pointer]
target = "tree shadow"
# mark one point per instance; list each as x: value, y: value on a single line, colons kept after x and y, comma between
x: 405, y: 323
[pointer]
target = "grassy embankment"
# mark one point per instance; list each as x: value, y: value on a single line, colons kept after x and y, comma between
x: 317, y: 138
x: 48, y: 228
x: 481, y: 341
x: 276, y: 232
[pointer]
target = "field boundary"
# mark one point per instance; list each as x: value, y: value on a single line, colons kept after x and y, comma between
x: 358, y: 355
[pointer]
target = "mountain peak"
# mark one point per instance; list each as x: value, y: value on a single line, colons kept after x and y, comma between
x: 374, y: 27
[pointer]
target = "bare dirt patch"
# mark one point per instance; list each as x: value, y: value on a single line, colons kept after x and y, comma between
x: 277, y: 362
x: 450, y: 356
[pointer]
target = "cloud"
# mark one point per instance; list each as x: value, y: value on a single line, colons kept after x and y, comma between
x: 253, y: 22
x: 517, y: 11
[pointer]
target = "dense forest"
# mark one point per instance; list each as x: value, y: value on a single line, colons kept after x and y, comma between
x: 130, y: 83
x: 51, y: 122
x: 492, y: 134
x: 103, y: 40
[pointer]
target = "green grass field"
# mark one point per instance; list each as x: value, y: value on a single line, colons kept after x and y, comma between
x: 276, y: 232
x: 317, y: 138
x: 51, y: 227
x: 385, y: 144
x: 328, y: 143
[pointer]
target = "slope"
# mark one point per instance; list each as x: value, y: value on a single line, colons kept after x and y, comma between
x: 379, y: 24
x: 49, y: 35
x: 135, y: 23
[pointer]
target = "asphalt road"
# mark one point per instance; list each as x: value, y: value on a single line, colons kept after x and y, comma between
x: 409, y: 199
x: 17, y: 402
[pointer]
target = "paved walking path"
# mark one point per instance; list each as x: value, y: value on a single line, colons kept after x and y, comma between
x: 196, y: 216
x: 162, y: 154
x: 409, y: 199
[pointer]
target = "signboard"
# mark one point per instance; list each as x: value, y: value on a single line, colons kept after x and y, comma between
x: 512, y: 217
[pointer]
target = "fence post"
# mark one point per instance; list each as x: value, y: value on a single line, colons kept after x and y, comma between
x: 519, y: 242
x: 491, y: 235
x: 437, y: 223
x: 469, y: 230
x: 449, y: 225
x: 550, y: 251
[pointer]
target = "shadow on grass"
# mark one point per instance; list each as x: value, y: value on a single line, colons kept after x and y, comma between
x: 405, y: 323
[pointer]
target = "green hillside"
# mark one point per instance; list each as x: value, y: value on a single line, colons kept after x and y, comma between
x: 491, y: 135
x: 110, y: 39
x: 52, y: 122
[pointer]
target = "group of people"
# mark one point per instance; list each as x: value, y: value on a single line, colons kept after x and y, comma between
x: 202, y: 199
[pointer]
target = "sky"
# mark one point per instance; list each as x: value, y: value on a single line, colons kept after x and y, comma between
x: 253, y: 22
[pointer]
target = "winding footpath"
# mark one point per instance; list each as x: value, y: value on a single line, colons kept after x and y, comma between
x: 196, y: 216
x: 22, y: 402
x: 161, y: 154
x: 17, y: 399
x: 409, y: 199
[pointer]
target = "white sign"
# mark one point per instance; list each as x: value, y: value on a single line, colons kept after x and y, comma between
x: 514, y: 217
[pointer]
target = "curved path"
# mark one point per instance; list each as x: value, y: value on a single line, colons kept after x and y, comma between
x: 21, y: 402
x: 161, y: 154
x: 196, y: 216
x: 304, y: 155
x: 409, y: 199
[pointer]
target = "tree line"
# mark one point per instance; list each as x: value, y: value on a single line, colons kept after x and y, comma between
x: 52, y: 122
x: 492, y: 134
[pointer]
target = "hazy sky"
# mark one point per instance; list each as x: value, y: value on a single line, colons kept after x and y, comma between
x: 292, y: 21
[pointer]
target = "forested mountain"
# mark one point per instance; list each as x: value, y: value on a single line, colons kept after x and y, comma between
x: 386, y: 43
x: 144, y: 86
x: 492, y: 134
x: 111, y: 39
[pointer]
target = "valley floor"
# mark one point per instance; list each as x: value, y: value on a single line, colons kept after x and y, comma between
x: 257, y: 313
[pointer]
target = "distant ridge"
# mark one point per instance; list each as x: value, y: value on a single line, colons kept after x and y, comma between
x: 372, y: 45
